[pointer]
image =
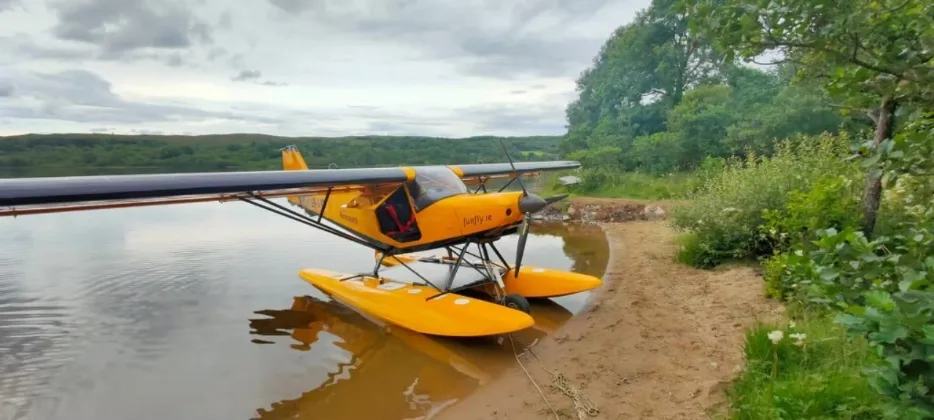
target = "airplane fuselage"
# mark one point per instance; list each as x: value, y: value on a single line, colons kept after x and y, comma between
x: 447, y: 220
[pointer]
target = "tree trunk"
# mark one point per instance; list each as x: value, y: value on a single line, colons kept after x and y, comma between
x: 885, y: 124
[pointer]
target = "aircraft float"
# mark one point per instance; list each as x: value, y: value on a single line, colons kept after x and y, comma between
x: 396, y: 211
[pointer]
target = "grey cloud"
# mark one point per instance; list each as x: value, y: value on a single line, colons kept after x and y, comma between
x: 216, y: 53
x: 82, y: 96
x: 22, y: 46
x: 226, y: 21
x: 292, y: 6
x: 7, y: 5
x: 491, y: 37
x: 119, y: 26
x: 246, y: 75
x: 502, y: 119
x: 6, y: 88
x: 517, y: 92
x: 174, y: 60
x: 254, y: 76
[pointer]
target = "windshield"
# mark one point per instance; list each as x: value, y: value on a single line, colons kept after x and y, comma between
x: 434, y: 183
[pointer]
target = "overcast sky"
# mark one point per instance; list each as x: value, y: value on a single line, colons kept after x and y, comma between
x: 298, y: 67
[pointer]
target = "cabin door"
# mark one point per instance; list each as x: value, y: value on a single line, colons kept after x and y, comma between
x: 397, y: 217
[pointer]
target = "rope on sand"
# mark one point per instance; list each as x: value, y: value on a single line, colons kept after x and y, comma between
x: 582, y: 404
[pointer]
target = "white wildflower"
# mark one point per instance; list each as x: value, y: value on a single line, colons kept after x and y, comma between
x: 791, y: 324
x: 799, y: 337
x: 776, y: 336
x: 799, y: 252
x: 730, y: 209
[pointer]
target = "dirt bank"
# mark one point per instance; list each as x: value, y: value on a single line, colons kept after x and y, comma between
x: 593, y: 210
x: 660, y: 340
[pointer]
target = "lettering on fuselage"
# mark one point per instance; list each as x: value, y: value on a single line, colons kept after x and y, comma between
x: 348, y: 218
x: 477, y: 220
x: 313, y: 203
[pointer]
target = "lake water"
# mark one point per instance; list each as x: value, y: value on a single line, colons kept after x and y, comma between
x: 197, y: 312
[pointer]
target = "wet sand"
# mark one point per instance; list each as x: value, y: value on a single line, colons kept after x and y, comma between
x: 660, y: 340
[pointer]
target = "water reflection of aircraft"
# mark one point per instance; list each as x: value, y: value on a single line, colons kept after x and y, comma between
x: 413, y: 374
x: 395, y: 211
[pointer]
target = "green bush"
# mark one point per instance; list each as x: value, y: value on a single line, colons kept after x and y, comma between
x: 831, y: 202
x: 814, y: 375
x: 728, y: 212
x: 883, y: 287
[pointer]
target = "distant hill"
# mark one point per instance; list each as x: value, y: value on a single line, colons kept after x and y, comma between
x: 77, y: 154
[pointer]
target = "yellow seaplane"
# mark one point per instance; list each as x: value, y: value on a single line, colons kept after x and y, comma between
x: 396, y: 211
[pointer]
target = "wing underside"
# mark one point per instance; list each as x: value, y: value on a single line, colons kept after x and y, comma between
x: 58, y: 194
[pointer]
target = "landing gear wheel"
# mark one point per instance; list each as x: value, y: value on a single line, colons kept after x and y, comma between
x: 519, y: 302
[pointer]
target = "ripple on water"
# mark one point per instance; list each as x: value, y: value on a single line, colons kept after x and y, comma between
x: 33, y: 344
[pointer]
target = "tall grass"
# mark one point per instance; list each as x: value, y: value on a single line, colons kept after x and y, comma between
x: 818, y: 377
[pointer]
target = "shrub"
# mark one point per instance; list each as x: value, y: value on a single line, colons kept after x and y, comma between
x: 831, y: 202
x: 884, y: 289
x: 727, y: 213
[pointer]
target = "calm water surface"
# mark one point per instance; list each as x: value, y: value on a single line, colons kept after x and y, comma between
x: 197, y: 312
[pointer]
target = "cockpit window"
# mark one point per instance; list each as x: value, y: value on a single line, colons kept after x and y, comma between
x: 434, y: 183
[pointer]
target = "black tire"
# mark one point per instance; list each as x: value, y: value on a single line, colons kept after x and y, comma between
x: 519, y: 302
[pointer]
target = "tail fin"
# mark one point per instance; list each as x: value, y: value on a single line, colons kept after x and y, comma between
x: 292, y: 159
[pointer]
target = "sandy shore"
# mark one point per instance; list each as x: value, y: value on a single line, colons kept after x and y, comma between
x: 660, y: 340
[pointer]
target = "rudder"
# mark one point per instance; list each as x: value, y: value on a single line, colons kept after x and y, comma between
x: 292, y: 159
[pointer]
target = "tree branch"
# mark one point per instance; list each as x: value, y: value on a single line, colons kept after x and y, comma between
x: 839, y: 55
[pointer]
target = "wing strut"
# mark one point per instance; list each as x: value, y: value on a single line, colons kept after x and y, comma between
x: 298, y: 217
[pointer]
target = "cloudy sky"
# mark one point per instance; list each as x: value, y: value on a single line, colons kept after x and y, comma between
x: 298, y: 67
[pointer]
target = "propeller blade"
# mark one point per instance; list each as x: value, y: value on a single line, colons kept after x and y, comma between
x: 513, y: 166
x: 520, y: 249
x: 555, y: 198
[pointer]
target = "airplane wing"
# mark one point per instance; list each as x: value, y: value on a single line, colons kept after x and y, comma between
x: 56, y: 194
x: 503, y: 169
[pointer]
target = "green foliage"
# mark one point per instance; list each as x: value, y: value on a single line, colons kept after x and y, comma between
x: 727, y: 213
x: 832, y: 201
x: 864, y: 49
x: 750, y: 112
x: 865, y: 55
x: 610, y: 182
x: 883, y: 289
x: 661, y: 92
x: 774, y: 270
x: 72, y: 154
x: 811, y: 376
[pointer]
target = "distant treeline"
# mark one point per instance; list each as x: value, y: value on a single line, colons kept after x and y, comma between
x: 72, y: 154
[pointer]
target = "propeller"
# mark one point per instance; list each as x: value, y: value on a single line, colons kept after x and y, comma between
x: 528, y: 205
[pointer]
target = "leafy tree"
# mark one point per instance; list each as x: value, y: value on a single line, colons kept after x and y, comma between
x: 641, y: 72
x: 868, y: 54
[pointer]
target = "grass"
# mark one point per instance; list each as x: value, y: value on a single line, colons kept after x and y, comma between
x: 820, y: 379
